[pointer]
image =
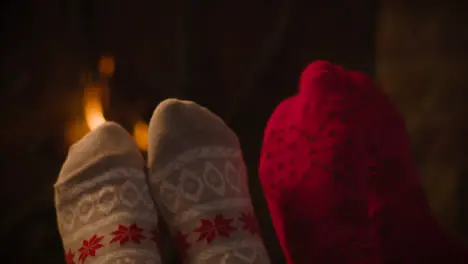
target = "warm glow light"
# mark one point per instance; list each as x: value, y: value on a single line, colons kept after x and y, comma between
x: 140, y: 133
x: 75, y: 130
x: 107, y: 65
x: 93, y: 108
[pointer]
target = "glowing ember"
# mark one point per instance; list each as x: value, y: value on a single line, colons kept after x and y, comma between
x: 93, y: 108
x: 140, y: 133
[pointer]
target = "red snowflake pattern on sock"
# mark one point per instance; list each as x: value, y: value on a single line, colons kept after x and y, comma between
x: 209, y: 230
x: 250, y: 223
x: 69, y: 257
x: 125, y: 234
x: 89, y: 247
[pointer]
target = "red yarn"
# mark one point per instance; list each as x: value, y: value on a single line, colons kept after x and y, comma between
x: 338, y: 177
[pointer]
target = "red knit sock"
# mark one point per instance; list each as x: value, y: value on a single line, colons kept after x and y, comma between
x: 314, y: 174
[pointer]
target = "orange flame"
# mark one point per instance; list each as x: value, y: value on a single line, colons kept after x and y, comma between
x: 140, y: 133
x: 93, y: 107
x: 95, y: 95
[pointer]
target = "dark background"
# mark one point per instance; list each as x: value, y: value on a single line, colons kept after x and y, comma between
x: 238, y: 58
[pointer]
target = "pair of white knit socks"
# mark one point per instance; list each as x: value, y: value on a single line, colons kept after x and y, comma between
x: 106, y: 203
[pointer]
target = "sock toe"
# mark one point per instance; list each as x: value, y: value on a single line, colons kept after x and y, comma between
x: 107, y: 145
x: 321, y: 77
x: 178, y: 125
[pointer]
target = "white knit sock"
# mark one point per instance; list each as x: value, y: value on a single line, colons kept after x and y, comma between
x: 198, y: 178
x: 105, y: 213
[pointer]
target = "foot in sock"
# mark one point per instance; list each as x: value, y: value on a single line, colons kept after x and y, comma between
x: 313, y: 171
x: 198, y: 178
x: 407, y: 231
x: 104, y: 210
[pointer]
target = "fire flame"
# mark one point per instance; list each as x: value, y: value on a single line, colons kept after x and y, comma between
x: 93, y: 107
x: 94, y: 95
x: 140, y: 133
